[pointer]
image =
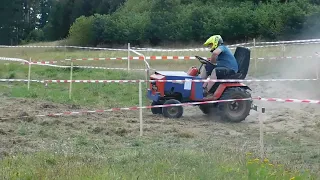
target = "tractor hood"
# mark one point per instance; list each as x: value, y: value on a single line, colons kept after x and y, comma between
x: 173, y: 73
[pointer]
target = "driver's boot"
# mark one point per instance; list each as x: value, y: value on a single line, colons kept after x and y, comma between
x: 207, y: 94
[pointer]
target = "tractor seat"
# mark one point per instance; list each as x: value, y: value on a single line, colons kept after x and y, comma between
x: 235, y: 76
x: 242, y: 55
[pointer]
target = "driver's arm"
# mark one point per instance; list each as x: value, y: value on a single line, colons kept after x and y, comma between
x: 215, y: 54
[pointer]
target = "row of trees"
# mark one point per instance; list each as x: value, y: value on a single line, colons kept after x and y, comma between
x: 140, y: 21
x: 46, y: 20
x: 93, y: 22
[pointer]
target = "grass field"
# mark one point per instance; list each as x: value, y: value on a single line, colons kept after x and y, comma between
x: 108, y: 146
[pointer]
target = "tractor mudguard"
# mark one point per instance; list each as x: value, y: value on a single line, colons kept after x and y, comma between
x: 223, y: 86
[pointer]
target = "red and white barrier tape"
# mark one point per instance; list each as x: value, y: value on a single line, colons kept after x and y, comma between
x: 288, y: 57
x: 176, y: 81
x: 172, y: 50
x: 268, y: 44
x: 294, y: 41
x: 136, y: 108
x: 90, y: 67
x: 150, y: 58
x: 173, y: 105
x: 145, y: 81
x: 41, y: 62
x: 13, y: 59
x: 281, y: 44
x: 19, y: 80
x: 290, y: 100
x: 177, y: 58
x: 140, y: 58
x: 199, y: 49
x: 104, y: 59
x: 76, y: 47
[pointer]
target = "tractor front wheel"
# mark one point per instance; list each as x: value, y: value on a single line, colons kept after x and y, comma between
x: 156, y: 110
x: 235, y: 111
x: 172, y: 111
x: 205, y: 108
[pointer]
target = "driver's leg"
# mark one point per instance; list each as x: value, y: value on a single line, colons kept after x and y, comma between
x: 204, y: 75
x: 208, y: 70
x: 213, y: 76
x: 217, y: 73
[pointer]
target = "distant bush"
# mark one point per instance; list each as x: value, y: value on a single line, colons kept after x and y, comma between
x: 185, y: 21
x: 81, y: 32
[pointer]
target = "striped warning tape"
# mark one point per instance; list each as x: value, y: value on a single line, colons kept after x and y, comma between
x: 230, y: 47
x: 178, y: 58
x: 13, y: 59
x: 144, y: 81
x: 169, y: 105
x: 19, y: 80
x: 76, y: 47
x: 290, y: 100
x: 176, y: 81
x: 172, y: 50
x: 132, y: 108
x: 41, y: 62
x: 153, y: 58
x: 92, y: 67
x: 141, y: 58
x: 294, y: 41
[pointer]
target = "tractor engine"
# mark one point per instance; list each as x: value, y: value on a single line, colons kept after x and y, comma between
x: 157, y: 87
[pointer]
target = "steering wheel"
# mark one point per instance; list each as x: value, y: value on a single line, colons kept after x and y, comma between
x: 203, y: 61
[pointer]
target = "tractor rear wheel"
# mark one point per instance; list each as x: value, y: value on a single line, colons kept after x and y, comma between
x: 172, y: 111
x: 235, y: 111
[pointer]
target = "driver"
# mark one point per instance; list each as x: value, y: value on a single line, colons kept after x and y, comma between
x: 221, y: 56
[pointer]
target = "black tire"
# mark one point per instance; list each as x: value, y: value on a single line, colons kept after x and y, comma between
x: 173, y: 111
x: 227, y: 113
x: 157, y: 110
x: 209, y: 109
x: 205, y: 108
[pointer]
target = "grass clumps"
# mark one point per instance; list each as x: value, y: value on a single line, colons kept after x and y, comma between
x: 264, y: 169
x: 98, y: 94
x: 144, y: 163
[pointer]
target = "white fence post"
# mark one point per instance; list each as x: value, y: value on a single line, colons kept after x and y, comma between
x: 146, y: 64
x: 255, y: 54
x: 70, y: 87
x: 283, y: 50
x: 261, y: 122
x: 317, y: 65
x: 128, y: 56
x: 140, y: 109
x: 29, y: 74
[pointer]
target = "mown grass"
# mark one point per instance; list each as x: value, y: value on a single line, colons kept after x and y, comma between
x: 98, y: 94
x: 146, y: 163
x: 143, y: 162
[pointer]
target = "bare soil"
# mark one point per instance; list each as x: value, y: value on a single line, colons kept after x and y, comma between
x: 32, y: 133
x: 291, y: 128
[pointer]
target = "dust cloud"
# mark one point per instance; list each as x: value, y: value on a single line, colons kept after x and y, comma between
x: 290, y: 117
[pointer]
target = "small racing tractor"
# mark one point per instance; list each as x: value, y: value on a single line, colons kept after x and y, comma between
x: 171, y: 92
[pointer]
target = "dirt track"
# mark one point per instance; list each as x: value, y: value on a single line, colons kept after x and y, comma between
x: 297, y: 122
x: 123, y: 123
x: 31, y: 132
